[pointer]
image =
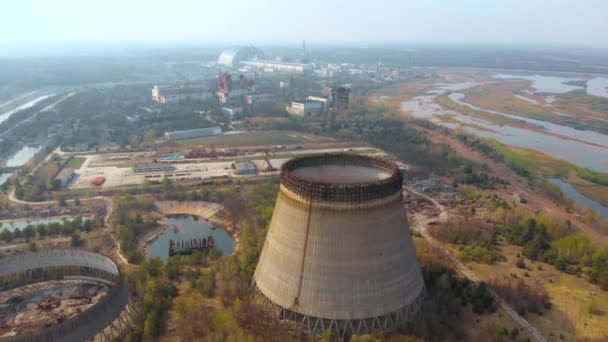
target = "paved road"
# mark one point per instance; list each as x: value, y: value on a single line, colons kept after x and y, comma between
x: 423, y: 229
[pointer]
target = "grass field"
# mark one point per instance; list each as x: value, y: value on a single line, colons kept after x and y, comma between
x: 568, y: 294
x: 257, y: 138
x: 75, y: 162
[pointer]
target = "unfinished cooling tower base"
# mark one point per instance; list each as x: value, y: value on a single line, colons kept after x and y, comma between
x: 339, y: 327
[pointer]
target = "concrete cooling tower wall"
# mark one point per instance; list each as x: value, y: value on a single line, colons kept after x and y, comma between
x: 339, y: 254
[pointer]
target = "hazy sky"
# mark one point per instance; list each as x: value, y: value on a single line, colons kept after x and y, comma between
x: 502, y: 21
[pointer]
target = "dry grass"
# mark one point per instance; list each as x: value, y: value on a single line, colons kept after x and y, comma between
x: 568, y: 294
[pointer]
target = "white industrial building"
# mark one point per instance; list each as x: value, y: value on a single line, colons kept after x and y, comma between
x: 176, y: 93
x: 193, y: 133
x: 305, y: 108
x: 232, y: 57
x: 271, y: 66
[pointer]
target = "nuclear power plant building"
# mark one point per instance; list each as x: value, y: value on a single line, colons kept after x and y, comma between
x: 339, y: 254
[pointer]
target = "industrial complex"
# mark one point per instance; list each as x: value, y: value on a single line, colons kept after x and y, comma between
x: 339, y: 255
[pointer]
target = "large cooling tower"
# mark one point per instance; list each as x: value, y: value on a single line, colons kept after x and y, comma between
x: 339, y: 253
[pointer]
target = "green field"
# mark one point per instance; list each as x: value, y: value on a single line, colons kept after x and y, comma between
x: 75, y: 162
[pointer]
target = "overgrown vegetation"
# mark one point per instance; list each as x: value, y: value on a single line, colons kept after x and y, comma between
x: 39, y: 231
x: 128, y: 224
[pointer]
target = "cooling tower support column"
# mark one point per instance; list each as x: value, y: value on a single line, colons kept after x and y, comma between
x: 339, y: 254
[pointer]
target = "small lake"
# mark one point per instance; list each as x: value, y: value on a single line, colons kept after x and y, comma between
x: 23, y: 156
x: 22, y: 224
x: 571, y: 192
x: 190, y: 227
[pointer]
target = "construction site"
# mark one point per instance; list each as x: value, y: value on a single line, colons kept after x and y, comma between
x: 60, y: 295
x: 30, y: 308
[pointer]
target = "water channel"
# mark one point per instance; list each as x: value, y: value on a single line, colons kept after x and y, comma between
x: 571, y: 192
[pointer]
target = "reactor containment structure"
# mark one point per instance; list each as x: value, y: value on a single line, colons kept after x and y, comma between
x: 339, y: 254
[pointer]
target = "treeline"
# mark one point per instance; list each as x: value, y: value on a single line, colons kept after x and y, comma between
x: 570, y: 253
x: 157, y: 291
x: 474, y: 241
x: 128, y: 224
x: 448, y: 297
x: 65, y: 228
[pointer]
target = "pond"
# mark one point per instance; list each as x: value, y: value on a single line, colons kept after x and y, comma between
x: 190, y: 227
x: 571, y: 192
x: 23, y: 156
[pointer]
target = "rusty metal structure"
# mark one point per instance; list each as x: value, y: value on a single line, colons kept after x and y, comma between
x: 104, y: 321
x: 339, y: 254
x: 339, y: 96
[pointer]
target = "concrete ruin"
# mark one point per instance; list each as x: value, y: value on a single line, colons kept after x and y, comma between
x: 43, y: 269
x: 339, y: 254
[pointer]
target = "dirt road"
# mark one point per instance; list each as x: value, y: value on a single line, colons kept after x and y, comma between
x: 535, y: 201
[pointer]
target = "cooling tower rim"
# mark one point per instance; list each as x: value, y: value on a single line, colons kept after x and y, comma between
x: 340, y: 192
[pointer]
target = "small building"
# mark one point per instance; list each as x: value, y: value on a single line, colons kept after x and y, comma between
x: 305, y: 108
x: 193, y: 133
x: 153, y: 168
x: 245, y: 167
x: 65, y: 176
x: 259, y: 98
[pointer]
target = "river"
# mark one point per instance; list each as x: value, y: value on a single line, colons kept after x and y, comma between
x: 586, y: 155
x: 571, y: 192
x: 4, y: 116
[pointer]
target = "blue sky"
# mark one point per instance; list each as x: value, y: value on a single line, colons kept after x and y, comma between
x: 448, y: 21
